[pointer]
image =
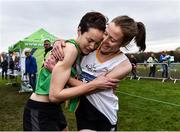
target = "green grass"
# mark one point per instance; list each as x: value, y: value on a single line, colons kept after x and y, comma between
x: 137, y: 109
x: 11, y: 107
x: 141, y: 113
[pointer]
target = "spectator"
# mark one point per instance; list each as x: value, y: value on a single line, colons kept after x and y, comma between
x: 151, y: 60
x: 11, y: 63
x: 17, y: 61
x: 4, y: 66
x: 47, y: 48
x: 30, y: 68
x: 133, y: 61
x: 171, y: 59
x: 164, y: 59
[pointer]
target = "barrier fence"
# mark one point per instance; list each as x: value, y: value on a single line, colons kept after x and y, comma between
x: 158, y: 71
x: 161, y: 71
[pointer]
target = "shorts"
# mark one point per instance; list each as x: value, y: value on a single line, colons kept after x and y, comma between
x: 88, y: 117
x: 41, y: 116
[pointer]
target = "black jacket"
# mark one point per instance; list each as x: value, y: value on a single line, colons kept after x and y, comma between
x: 4, y: 65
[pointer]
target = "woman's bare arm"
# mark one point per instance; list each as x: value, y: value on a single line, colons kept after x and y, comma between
x: 121, y: 70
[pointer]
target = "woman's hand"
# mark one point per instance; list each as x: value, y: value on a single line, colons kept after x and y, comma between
x: 57, y: 50
x: 56, y: 55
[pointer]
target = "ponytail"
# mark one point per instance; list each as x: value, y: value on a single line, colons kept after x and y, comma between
x: 131, y: 30
x: 140, y: 38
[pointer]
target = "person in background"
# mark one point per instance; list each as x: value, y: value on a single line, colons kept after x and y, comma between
x: 16, y: 63
x: 47, y: 48
x: 11, y: 63
x: 171, y: 59
x: 30, y: 68
x: 4, y: 66
x: 151, y: 60
x: 133, y: 61
x: 164, y: 59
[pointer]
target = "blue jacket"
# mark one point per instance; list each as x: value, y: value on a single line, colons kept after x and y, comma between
x: 162, y: 58
x: 31, y: 65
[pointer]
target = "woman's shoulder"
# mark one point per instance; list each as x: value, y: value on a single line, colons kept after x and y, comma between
x: 70, y: 47
x: 70, y: 51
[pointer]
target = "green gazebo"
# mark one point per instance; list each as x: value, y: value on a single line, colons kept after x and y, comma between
x: 35, y: 42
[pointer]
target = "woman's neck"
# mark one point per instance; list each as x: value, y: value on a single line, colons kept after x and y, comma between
x: 102, y: 57
x: 77, y: 41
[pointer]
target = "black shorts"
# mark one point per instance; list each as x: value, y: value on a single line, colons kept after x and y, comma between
x: 88, y: 117
x: 40, y: 116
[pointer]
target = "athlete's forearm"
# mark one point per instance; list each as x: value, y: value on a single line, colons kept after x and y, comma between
x: 101, y: 82
x: 74, y: 82
x: 72, y: 92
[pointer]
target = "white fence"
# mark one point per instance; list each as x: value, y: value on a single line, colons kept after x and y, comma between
x: 161, y: 71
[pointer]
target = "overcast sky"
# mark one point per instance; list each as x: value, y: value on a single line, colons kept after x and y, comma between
x: 19, y: 19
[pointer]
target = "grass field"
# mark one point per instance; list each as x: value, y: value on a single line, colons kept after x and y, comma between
x: 145, y: 105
